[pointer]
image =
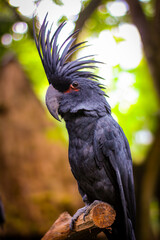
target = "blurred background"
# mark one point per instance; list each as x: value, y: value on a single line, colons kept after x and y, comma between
x: 36, y: 184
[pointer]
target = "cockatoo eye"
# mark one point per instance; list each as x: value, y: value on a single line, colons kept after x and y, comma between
x: 75, y: 84
x: 73, y: 87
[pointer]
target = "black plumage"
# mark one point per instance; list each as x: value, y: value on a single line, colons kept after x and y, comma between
x: 99, y: 152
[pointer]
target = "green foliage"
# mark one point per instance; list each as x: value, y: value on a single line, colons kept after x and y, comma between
x: 58, y: 2
x: 27, y: 54
x: 143, y: 114
x: 101, y: 19
x: 148, y: 8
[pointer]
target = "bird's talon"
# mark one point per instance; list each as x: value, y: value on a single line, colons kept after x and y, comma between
x: 75, y: 217
x: 86, y: 214
x: 71, y: 225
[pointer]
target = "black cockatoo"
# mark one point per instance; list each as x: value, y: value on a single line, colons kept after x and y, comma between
x: 99, y: 152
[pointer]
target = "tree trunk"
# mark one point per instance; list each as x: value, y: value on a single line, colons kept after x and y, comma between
x: 150, y: 35
x: 34, y: 187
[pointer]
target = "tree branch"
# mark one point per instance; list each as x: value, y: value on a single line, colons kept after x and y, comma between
x: 84, y: 15
x: 157, y: 17
x: 149, y: 180
x: 101, y: 216
x: 149, y: 39
x: 139, y: 19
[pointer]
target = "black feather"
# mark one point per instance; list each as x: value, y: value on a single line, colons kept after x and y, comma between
x: 54, y: 58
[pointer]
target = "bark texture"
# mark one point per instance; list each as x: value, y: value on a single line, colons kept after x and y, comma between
x: 100, y: 217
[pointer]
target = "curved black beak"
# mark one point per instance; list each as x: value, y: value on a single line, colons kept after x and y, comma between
x: 52, y: 101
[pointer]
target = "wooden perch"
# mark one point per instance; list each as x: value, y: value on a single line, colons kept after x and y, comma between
x: 101, y: 216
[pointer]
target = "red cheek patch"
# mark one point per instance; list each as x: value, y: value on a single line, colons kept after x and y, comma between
x: 71, y: 89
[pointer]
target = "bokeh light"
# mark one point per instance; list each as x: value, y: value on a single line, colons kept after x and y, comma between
x: 15, y: 3
x: 117, y: 8
x: 6, y: 39
x: 144, y: 137
x: 26, y: 8
x: 20, y: 27
x: 125, y: 95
